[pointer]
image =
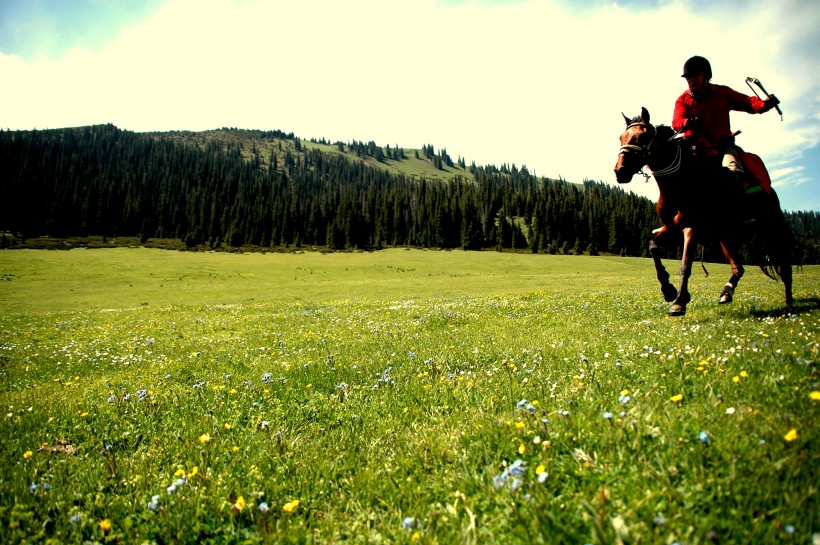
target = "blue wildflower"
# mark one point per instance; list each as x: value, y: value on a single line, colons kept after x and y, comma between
x: 703, y: 436
x: 608, y: 415
x: 408, y: 523
x: 264, y: 507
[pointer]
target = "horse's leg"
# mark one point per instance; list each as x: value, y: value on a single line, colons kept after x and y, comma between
x: 667, y: 289
x: 678, y: 308
x: 730, y: 250
x: 786, y: 277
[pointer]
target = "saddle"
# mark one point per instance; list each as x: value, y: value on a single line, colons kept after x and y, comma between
x: 757, y: 177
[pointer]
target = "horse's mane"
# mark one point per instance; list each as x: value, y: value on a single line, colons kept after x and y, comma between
x: 664, y: 132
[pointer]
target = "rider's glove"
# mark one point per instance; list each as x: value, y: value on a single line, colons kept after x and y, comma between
x: 772, y: 101
x: 692, y: 124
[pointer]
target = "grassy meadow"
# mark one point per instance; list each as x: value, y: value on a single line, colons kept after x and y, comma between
x: 401, y: 396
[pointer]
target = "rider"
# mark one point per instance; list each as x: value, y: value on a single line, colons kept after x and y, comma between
x: 702, y: 113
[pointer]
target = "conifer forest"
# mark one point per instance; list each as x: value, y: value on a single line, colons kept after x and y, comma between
x: 231, y: 188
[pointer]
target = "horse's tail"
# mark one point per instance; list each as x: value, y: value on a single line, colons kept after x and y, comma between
x: 774, y: 245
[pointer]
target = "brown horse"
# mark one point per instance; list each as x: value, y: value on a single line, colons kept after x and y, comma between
x: 702, y: 200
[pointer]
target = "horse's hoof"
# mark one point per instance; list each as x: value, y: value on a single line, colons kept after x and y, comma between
x: 726, y: 295
x: 677, y: 310
x: 670, y: 293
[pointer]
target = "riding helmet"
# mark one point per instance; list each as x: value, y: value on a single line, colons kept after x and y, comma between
x: 697, y: 64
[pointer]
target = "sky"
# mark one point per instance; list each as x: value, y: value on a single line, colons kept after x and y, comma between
x: 535, y: 83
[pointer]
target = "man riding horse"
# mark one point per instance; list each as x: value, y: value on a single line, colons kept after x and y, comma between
x: 695, y: 189
x: 702, y: 115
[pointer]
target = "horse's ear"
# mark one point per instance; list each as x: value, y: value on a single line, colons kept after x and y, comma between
x: 628, y: 121
x: 644, y: 115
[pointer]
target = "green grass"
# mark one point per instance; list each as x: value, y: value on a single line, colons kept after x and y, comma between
x: 391, y: 394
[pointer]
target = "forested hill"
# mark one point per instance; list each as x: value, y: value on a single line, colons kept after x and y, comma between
x: 233, y: 187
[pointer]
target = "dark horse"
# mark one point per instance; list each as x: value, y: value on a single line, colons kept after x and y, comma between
x: 702, y: 200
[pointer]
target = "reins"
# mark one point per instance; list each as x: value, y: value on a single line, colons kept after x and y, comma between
x: 644, y: 151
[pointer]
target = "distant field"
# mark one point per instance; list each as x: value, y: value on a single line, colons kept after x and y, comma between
x: 401, y: 396
x: 85, y: 279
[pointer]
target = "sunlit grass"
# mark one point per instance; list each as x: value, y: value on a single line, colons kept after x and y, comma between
x: 404, y: 397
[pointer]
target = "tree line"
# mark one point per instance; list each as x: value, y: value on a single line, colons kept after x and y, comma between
x: 102, y: 180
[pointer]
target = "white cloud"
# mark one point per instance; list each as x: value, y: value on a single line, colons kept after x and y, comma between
x: 524, y: 82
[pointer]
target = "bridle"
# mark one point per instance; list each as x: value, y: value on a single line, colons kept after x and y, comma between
x: 643, y: 151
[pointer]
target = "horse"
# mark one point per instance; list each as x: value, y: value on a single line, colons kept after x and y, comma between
x: 703, y: 201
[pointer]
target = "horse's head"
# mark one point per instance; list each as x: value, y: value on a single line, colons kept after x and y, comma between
x: 635, y: 142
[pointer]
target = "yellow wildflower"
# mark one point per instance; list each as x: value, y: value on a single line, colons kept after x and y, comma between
x: 815, y: 395
x: 179, y: 473
x: 522, y: 449
x: 204, y: 438
x: 291, y: 506
x: 676, y: 398
x: 416, y: 536
x: 239, y: 504
x: 194, y: 471
x: 791, y: 436
x: 27, y: 454
x: 744, y: 374
x: 105, y: 525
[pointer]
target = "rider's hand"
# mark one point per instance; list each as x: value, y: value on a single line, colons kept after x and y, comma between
x: 772, y: 101
x: 692, y: 124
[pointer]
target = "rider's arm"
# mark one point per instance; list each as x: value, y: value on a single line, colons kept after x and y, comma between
x: 681, y: 116
x: 749, y: 104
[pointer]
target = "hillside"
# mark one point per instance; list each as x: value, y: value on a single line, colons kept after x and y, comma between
x: 271, y: 190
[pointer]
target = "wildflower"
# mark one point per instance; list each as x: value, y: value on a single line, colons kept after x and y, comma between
x: 264, y: 507
x: 234, y: 449
x: 517, y: 468
x: 730, y: 410
x: 521, y: 404
x: 194, y: 471
x: 791, y: 435
x: 676, y: 398
x: 239, y: 504
x: 27, y: 454
x: 790, y: 529
x: 519, y: 425
x: 659, y: 520
x: 205, y: 438
x: 75, y: 518
x: 227, y: 426
x: 623, y: 399
x: 608, y: 415
x: 105, y: 525
x: 153, y: 505
x: 179, y: 473
x: 703, y: 436
x: 408, y: 523
x: 516, y: 484
x: 522, y: 449
x: 416, y: 536
x: 541, y: 473
x: 744, y: 374
x: 735, y: 379
x: 815, y: 395
x: 291, y: 506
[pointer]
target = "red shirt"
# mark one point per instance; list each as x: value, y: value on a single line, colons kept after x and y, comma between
x: 713, y: 112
